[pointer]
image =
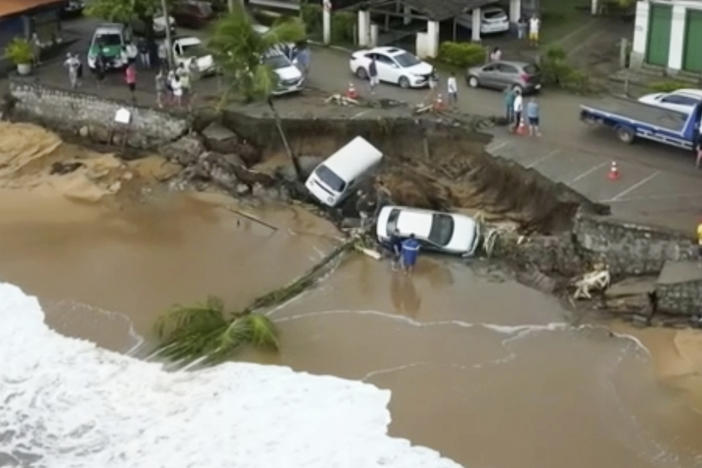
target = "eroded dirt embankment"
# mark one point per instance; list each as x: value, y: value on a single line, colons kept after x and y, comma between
x: 437, y: 166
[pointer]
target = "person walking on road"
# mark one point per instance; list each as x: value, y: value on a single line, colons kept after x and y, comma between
x: 509, y: 105
x: 302, y: 60
x: 518, y: 108
x: 534, y: 27
x: 532, y: 113
x: 185, y: 82
x: 71, y: 63
x: 36, y: 49
x: 99, y: 67
x: 160, y: 86
x: 373, y: 75
x: 410, y: 252
x: 144, y: 56
x: 177, y: 90
x: 162, y: 53
x: 130, y: 77
x: 452, y: 89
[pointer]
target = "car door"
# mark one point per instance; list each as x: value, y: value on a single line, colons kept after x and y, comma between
x: 507, y: 75
x: 387, y: 68
x: 488, y: 75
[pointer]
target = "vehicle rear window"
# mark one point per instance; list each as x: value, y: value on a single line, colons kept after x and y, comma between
x: 531, y: 69
x: 332, y: 180
x: 109, y: 39
x: 441, y: 229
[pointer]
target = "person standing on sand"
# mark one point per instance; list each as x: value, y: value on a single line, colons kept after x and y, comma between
x: 410, y: 252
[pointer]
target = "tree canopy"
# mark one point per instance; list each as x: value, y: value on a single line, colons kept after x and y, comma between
x: 240, y: 50
x: 124, y: 11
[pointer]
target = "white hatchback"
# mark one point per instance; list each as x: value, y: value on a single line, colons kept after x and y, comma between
x: 189, y: 49
x: 681, y: 100
x: 394, y: 65
x: 443, y: 232
x: 493, y: 20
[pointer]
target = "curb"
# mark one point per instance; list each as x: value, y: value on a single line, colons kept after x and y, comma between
x: 331, y: 46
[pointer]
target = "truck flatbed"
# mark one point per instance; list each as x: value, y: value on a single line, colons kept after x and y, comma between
x: 634, y: 110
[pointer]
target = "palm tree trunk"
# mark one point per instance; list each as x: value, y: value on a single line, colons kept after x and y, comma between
x: 279, y: 125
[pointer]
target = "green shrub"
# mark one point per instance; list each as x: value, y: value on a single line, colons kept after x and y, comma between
x: 555, y: 53
x: 343, y: 24
x: 18, y: 51
x: 312, y: 17
x: 461, y: 54
x: 667, y: 86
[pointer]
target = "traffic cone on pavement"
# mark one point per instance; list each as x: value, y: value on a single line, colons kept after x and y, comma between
x: 521, y: 129
x: 613, y: 173
x: 351, y: 92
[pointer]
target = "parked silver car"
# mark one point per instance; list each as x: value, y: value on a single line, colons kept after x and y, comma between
x: 519, y: 75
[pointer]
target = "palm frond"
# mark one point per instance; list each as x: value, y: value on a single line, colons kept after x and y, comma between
x: 181, y: 320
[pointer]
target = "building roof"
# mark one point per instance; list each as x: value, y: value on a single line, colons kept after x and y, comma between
x: 440, y: 10
x: 13, y: 7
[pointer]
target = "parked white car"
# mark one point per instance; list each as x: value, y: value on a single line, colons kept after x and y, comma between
x: 394, y: 65
x: 444, y: 232
x: 681, y: 100
x: 493, y: 20
x: 189, y: 48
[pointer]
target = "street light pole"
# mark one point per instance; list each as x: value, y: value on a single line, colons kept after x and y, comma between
x: 169, y: 47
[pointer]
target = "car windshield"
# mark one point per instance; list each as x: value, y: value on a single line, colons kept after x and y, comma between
x: 492, y: 14
x: 441, y: 229
x: 332, y: 180
x: 531, y: 70
x: 277, y: 61
x: 108, y: 40
x: 406, y: 60
x: 194, y: 50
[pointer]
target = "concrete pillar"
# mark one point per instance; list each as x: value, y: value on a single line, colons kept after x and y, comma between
x: 326, y: 25
x: 406, y: 19
x: 594, y: 7
x: 515, y: 10
x: 638, y: 48
x: 433, y: 34
x: 363, y: 28
x: 374, y: 35
x: 677, y: 37
x: 475, y: 32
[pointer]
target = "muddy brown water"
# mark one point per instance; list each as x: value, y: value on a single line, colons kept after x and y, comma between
x: 481, y: 368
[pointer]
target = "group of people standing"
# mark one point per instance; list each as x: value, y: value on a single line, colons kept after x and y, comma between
x: 515, y: 111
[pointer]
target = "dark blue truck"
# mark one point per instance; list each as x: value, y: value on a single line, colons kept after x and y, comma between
x: 633, y: 119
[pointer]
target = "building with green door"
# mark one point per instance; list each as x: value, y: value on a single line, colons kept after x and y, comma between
x: 668, y: 34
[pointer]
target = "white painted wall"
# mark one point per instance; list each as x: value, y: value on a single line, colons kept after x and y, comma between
x: 515, y: 10
x: 638, y: 48
x: 677, y: 36
x: 427, y: 44
x: 475, y: 32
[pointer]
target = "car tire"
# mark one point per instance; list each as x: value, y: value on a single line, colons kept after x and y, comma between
x: 361, y: 73
x: 625, y: 134
x: 473, y: 81
x: 404, y: 82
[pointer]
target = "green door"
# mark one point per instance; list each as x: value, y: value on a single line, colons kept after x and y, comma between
x: 692, y: 55
x: 660, y: 19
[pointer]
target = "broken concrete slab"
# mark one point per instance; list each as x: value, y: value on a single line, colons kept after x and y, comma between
x: 632, y: 287
x: 679, y: 272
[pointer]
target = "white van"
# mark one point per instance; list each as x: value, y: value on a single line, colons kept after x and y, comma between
x: 335, y: 178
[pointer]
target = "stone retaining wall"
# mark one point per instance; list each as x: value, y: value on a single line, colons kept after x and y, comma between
x: 683, y: 298
x: 93, y: 116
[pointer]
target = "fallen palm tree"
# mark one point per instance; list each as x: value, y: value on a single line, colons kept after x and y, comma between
x: 207, y: 334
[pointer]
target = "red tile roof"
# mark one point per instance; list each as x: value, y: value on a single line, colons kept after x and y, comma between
x: 13, y: 7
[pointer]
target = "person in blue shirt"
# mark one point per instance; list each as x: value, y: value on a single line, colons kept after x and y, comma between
x: 532, y: 113
x: 410, y: 252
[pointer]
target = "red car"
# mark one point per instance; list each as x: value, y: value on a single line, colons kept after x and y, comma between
x: 193, y: 14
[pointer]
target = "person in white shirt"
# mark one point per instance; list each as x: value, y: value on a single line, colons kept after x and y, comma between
x: 452, y: 89
x: 518, y: 107
x: 177, y: 89
x: 534, y: 26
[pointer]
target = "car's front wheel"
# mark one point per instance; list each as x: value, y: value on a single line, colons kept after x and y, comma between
x: 473, y: 81
x: 404, y: 82
x: 362, y: 73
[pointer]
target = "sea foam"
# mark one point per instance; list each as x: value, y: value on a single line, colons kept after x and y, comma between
x: 65, y: 402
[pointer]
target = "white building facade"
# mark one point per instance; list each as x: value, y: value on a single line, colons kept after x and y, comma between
x: 668, y: 34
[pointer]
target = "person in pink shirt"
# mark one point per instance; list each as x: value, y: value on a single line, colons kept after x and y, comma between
x: 130, y: 77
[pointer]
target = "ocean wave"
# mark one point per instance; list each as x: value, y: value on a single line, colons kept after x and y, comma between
x: 67, y: 403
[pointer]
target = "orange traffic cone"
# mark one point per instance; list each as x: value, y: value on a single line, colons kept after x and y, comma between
x: 439, y: 104
x: 351, y: 92
x: 522, y: 129
x: 613, y: 173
